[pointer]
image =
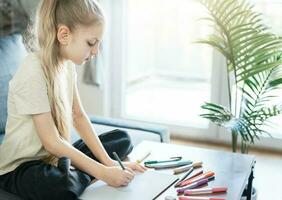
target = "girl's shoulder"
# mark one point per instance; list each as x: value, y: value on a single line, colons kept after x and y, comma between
x: 31, y: 61
x: 30, y: 68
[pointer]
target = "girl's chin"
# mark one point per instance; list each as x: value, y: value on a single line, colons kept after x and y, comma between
x: 80, y: 62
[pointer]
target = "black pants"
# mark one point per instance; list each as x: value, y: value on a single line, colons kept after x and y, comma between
x: 36, y: 180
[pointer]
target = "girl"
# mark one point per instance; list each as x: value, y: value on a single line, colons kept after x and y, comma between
x: 43, y: 103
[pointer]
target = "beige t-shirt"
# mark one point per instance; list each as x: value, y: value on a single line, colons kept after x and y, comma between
x: 28, y: 95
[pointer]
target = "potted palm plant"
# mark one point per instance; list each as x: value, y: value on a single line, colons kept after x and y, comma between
x: 253, y: 58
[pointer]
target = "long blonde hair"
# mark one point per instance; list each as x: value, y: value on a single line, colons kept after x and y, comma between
x: 50, y: 14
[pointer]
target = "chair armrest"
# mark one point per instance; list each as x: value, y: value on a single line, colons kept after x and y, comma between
x: 120, y: 123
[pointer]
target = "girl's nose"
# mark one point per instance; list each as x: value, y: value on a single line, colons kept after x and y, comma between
x: 94, y: 51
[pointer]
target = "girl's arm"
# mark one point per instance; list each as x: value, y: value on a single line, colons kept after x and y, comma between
x: 53, y: 143
x: 89, y: 136
x: 84, y: 127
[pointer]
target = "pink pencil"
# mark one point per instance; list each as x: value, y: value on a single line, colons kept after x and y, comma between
x: 205, y: 191
x: 199, y: 198
x: 193, y: 176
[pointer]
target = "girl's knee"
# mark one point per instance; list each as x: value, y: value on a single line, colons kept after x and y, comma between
x: 122, y: 133
x: 117, y: 141
x: 114, y: 135
x: 124, y: 144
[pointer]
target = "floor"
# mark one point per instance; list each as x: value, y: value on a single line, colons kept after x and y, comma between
x: 268, y: 169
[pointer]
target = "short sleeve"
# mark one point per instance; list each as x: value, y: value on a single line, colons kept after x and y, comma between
x: 31, y: 96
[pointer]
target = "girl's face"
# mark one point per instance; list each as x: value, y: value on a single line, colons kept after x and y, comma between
x: 81, y: 44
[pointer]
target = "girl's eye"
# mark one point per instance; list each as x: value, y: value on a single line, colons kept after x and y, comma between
x: 90, y: 44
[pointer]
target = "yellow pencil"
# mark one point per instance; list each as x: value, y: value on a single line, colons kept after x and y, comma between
x: 187, y: 167
x: 143, y: 157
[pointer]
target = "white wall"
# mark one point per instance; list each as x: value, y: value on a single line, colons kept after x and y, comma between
x: 98, y: 100
x: 92, y: 97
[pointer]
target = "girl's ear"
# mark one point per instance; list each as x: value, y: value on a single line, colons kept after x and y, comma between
x: 63, y: 35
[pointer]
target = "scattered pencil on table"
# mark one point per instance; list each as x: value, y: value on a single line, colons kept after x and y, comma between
x: 194, y: 185
x: 200, y: 198
x: 205, y: 191
x: 187, y: 167
x: 171, y: 159
x: 143, y: 157
x: 184, y: 177
x: 166, y: 165
x: 197, y: 178
x: 194, y: 182
x: 192, y: 176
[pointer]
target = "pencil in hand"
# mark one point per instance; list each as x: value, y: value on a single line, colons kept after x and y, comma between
x: 119, y: 161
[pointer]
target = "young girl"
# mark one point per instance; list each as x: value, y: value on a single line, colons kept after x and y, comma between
x: 43, y: 103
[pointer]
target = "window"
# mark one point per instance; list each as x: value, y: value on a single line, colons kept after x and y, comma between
x: 167, y: 76
x: 158, y: 74
x: 271, y: 10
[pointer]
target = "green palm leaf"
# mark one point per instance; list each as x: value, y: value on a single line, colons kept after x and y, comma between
x: 254, y: 57
x: 242, y: 36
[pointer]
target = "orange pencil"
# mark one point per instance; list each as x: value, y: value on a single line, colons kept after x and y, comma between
x: 189, y: 181
x: 193, y: 176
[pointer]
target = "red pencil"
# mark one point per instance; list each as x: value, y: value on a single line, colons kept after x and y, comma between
x: 193, y: 176
x: 189, y: 181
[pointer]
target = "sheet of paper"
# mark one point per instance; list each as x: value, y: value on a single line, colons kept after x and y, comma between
x: 144, y: 186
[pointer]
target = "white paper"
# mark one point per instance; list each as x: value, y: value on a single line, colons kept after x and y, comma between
x: 144, y: 186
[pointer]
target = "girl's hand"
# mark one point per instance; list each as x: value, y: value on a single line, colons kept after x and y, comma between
x: 129, y: 165
x: 116, y: 177
x: 135, y: 166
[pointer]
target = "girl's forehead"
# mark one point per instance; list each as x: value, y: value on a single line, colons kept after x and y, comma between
x: 91, y: 31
